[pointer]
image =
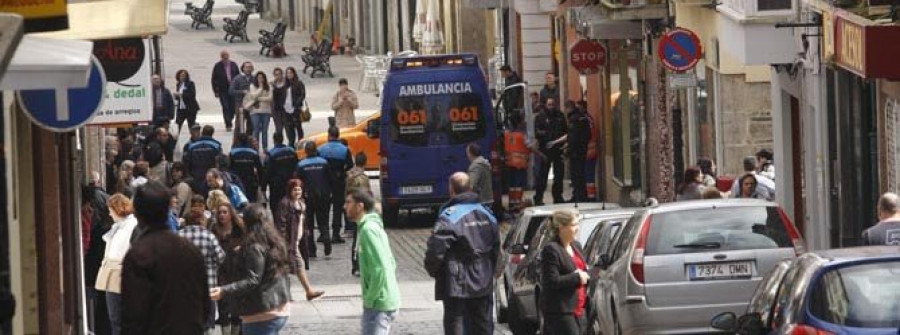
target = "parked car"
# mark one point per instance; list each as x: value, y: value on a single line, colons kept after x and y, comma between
x: 598, y: 243
x: 357, y: 141
x: 523, y: 286
x: 521, y: 233
x: 840, y: 291
x: 676, y: 265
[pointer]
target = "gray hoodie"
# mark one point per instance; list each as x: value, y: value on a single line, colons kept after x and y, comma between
x: 480, y: 178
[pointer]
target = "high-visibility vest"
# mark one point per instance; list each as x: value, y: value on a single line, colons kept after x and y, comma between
x: 517, y: 151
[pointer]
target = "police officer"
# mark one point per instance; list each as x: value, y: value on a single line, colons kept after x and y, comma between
x: 200, y: 156
x: 462, y: 256
x: 339, y: 161
x: 245, y: 162
x: 550, y: 129
x: 577, y: 139
x: 315, y: 174
x: 280, y: 164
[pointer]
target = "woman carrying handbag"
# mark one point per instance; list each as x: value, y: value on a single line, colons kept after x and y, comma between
x: 118, y: 241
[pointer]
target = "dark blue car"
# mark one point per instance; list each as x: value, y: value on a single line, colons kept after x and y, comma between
x: 841, y: 291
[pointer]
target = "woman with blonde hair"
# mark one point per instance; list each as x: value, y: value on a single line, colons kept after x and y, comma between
x: 564, y: 277
x: 215, y: 199
x: 118, y: 241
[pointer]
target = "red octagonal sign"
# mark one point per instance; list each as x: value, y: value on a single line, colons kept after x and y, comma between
x: 587, y: 56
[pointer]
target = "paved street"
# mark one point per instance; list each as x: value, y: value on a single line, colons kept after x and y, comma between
x: 339, y: 311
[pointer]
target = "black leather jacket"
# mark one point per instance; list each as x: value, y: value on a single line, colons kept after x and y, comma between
x: 260, y: 287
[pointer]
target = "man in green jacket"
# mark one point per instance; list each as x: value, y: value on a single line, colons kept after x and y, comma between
x: 377, y: 267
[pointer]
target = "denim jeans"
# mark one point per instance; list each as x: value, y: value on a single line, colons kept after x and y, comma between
x: 269, y: 327
x: 261, y: 127
x: 376, y: 322
x: 114, y: 307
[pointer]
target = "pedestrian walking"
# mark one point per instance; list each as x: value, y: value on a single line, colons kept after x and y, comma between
x: 577, y: 140
x: 279, y: 167
x: 163, y: 105
x: 887, y: 230
x: 550, y: 129
x: 118, y: 241
x: 378, y: 268
x: 263, y: 286
x: 162, y: 137
x: 239, y: 87
x: 245, y: 163
x: 223, y: 164
x: 194, y: 135
x: 258, y: 102
x: 708, y: 168
x: 765, y: 187
x: 749, y: 187
x: 339, y: 162
x: 343, y: 104
x: 229, y: 230
x: 356, y: 180
x: 195, y: 231
x: 279, y: 86
x: 513, y: 100
x: 480, y: 174
x: 223, y: 74
x: 564, y: 278
x: 200, y: 156
x: 766, y: 164
x: 518, y: 156
x: 164, y: 284
x: 160, y: 168
x: 316, y: 176
x: 216, y: 181
x: 461, y: 256
x: 295, y: 99
x: 691, y: 187
x: 289, y: 219
x: 550, y: 89
x: 183, y: 188
x: 141, y: 175
x: 185, y: 100
x: 126, y: 175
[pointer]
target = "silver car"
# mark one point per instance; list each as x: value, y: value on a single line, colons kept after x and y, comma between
x: 676, y: 265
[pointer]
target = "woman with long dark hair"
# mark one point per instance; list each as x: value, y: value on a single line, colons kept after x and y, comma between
x: 185, y: 100
x: 691, y: 186
x: 263, y: 286
x: 748, y: 189
x: 229, y: 229
x: 259, y: 102
x: 708, y: 168
x: 279, y: 95
x: 289, y: 219
x: 294, y: 99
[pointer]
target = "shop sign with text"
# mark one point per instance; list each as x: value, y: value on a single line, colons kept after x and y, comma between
x: 128, y: 92
x: 40, y: 15
x: 859, y: 47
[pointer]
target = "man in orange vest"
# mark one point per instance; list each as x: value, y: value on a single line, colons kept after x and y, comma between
x: 518, y: 154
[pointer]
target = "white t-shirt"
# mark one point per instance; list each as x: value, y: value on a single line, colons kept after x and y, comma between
x: 289, y: 101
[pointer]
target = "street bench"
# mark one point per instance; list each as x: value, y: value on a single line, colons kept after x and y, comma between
x: 236, y: 27
x: 251, y: 6
x: 271, y: 39
x: 319, y: 59
x: 200, y: 16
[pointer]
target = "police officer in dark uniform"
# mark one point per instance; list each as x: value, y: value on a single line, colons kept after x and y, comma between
x: 577, y: 139
x: 245, y: 163
x: 315, y: 174
x: 280, y: 164
x: 339, y: 161
x: 550, y: 129
x: 200, y: 156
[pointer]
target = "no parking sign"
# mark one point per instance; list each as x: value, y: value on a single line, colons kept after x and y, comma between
x: 680, y: 49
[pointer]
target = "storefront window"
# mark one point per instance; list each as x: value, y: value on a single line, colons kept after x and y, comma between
x: 626, y: 114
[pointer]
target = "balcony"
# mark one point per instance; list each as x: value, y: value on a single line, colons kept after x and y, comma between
x: 747, y: 24
x: 620, y: 10
x: 743, y: 10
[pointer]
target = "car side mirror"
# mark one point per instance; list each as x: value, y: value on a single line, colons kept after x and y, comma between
x: 724, y: 321
x: 373, y: 129
x: 518, y: 249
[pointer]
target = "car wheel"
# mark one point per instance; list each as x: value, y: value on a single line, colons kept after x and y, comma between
x: 501, y: 301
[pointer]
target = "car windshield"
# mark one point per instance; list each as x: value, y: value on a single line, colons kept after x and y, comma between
x: 723, y: 228
x: 864, y: 296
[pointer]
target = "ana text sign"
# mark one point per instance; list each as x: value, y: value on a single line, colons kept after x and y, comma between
x: 129, y: 91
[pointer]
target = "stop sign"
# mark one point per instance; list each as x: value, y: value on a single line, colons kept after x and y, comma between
x: 587, y: 56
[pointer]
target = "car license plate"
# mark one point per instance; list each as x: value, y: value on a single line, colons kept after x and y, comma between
x: 419, y: 189
x: 713, y: 271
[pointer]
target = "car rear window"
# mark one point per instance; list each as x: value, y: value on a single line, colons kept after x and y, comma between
x: 864, y: 296
x: 723, y: 228
x: 532, y: 228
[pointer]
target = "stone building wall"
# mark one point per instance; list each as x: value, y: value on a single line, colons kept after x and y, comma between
x: 746, y: 118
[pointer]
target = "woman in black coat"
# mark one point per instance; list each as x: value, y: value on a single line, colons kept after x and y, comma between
x: 564, y: 278
x: 185, y: 99
x: 293, y: 125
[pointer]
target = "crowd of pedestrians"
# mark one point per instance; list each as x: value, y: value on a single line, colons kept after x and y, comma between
x: 756, y: 182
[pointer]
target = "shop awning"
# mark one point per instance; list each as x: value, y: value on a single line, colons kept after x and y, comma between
x: 115, y: 19
x: 43, y: 63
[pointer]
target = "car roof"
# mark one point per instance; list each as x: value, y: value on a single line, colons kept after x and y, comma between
x: 845, y: 255
x: 610, y: 213
x: 546, y: 210
x: 709, y: 204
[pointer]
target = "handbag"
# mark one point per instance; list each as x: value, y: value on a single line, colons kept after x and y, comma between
x: 109, y: 278
x: 305, y: 114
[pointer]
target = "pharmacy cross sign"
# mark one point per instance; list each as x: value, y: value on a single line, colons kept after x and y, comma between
x: 66, y: 109
x: 680, y: 49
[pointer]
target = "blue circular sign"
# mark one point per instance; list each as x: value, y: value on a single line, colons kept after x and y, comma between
x: 65, y: 110
x: 680, y: 49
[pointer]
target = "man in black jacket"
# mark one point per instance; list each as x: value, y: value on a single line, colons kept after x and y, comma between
x: 223, y: 73
x: 577, y: 139
x: 316, y: 176
x: 462, y: 257
x: 513, y: 100
x: 339, y: 162
x: 200, y: 156
x: 163, y: 104
x: 245, y: 163
x: 550, y: 129
x: 279, y: 167
x: 164, y: 288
